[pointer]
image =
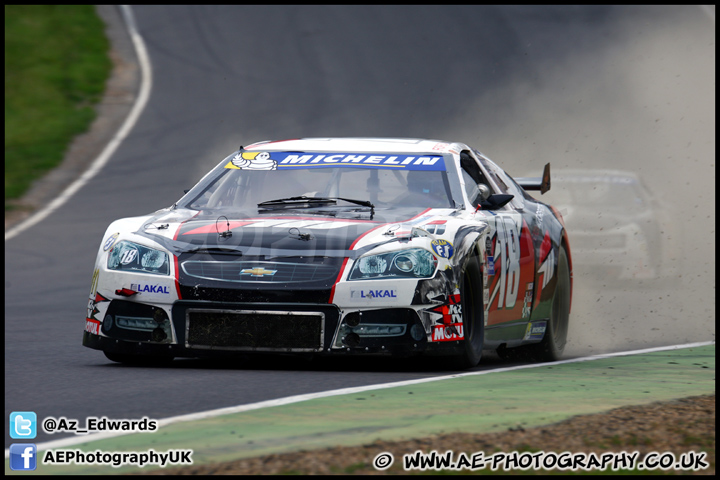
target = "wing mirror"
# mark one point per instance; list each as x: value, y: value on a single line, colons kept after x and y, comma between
x: 483, y: 193
x: 488, y: 201
x: 496, y: 201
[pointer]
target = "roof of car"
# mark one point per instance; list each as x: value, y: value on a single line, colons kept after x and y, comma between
x: 408, y: 145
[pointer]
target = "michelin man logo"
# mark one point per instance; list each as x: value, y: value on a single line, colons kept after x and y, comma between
x: 254, y: 161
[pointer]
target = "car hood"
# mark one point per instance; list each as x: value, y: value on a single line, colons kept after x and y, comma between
x: 277, y: 234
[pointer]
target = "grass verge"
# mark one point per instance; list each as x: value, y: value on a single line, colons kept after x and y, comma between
x: 56, y: 66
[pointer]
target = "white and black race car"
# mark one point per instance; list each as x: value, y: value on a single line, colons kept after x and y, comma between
x: 332, y: 246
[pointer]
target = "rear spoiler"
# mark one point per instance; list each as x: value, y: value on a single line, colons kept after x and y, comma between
x: 536, y: 183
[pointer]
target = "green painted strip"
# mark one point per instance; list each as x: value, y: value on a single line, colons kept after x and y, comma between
x: 475, y: 404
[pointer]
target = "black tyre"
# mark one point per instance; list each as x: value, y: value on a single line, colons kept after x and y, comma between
x: 471, y: 299
x: 139, y: 360
x: 553, y: 343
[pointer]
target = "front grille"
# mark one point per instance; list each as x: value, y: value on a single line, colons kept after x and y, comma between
x: 255, y: 330
x: 259, y: 272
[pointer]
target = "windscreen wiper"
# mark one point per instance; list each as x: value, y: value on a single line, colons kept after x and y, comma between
x: 297, y: 201
x: 311, y: 202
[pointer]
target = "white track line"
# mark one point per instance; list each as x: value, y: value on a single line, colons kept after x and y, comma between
x: 66, y: 442
x: 102, y: 159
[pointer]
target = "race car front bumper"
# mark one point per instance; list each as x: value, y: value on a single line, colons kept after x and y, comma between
x: 202, y: 329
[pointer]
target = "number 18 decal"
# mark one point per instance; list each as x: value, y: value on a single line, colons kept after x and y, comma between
x: 508, y: 244
x: 513, y: 259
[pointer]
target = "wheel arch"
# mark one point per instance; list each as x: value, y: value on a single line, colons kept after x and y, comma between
x: 565, y: 243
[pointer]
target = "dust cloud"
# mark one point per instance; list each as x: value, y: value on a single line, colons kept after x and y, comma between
x: 645, y: 104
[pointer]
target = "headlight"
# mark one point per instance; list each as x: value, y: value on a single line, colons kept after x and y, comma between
x: 413, y: 263
x: 131, y: 257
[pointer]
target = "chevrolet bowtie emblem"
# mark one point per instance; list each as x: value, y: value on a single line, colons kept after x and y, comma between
x: 257, y: 272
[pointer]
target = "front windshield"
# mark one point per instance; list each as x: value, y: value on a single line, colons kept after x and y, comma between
x: 229, y: 187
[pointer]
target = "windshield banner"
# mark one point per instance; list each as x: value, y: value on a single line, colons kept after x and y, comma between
x: 294, y: 160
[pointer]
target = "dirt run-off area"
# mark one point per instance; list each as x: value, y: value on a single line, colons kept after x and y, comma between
x: 679, y: 427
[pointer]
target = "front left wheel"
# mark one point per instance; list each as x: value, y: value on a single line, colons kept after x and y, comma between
x: 472, y: 315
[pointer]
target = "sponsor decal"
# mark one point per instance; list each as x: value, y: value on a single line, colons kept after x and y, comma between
x: 258, y: 272
x: 527, y: 331
x: 491, y: 265
x: 129, y: 255
x: 94, y: 282
x: 92, y: 309
x: 450, y: 327
x: 442, y: 248
x: 110, y: 241
x: 452, y: 311
x: 527, y: 301
x: 535, y: 330
x: 253, y: 161
x: 139, y: 287
x: 373, y: 293
x: 294, y: 160
x: 447, y: 333
x: 92, y: 326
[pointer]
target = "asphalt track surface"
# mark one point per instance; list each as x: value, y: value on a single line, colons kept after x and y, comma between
x: 621, y: 87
